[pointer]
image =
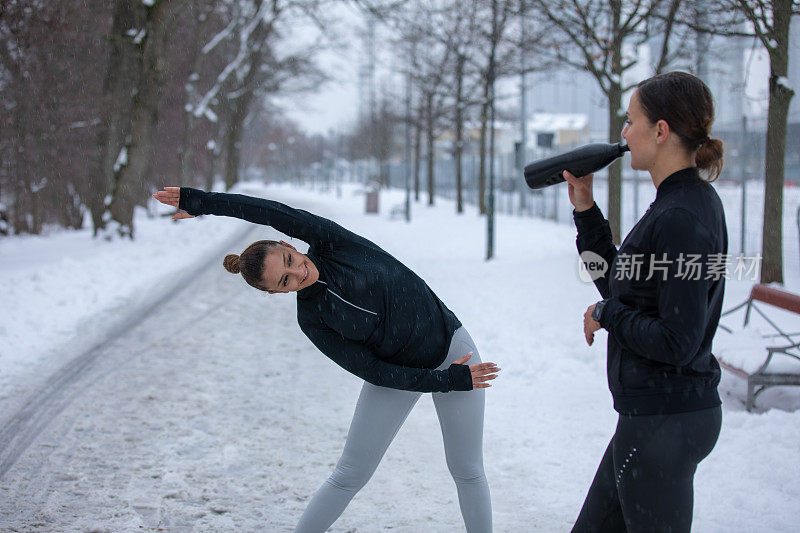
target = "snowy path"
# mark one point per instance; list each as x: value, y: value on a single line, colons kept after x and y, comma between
x: 215, y: 413
x: 58, y: 390
x: 175, y: 425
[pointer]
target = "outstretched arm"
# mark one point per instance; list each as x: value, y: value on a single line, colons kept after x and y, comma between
x: 361, y: 362
x: 305, y: 226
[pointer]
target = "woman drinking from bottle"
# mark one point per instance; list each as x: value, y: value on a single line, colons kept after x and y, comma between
x: 377, y: 319
x: 662, y: 298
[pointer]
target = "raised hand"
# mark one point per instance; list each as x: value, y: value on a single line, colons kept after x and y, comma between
x: 481, y: 373
x: 172, y: 196
x: 580, y: 190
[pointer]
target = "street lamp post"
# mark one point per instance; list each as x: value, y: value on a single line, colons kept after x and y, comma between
x: 490, y: 207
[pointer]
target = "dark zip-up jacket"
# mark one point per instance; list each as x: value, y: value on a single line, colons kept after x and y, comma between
x: 660, y: 329
x: 368, y: 312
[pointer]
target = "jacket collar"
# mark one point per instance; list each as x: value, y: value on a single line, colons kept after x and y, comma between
x: 316, y: 287
x: 677, y: 180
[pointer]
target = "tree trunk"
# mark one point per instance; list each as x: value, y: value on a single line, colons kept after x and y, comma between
x: 417, y: 158
x: 73, y: 210
x: 430, y: 134
x: 615, y: 125
x: 482, y: 165
x: 779, y: 98
x: 772, y: 233
x: 130, y: 182
x: 22, y: 169
x: 215, y: 155
x: 458, y: 142
x: 186, y: 149
x: 26, y: 216
x: 115, y: 106
x: 233, y: 138
x: 4, y: 222
x: 240, y: 105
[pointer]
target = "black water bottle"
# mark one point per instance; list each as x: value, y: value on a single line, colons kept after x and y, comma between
x: 579, y: 162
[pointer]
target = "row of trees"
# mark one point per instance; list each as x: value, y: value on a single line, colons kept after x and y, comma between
x: 104, y: 101
x: 455, y: 52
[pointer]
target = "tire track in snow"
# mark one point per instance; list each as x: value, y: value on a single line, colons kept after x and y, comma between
x: 64, y: 386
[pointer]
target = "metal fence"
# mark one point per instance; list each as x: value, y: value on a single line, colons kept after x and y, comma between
x: 743, y: 199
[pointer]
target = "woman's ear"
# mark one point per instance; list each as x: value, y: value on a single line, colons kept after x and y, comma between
x: 286, y: 244
x: 662, y: 131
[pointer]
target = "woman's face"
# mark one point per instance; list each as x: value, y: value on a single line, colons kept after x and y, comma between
x: 287, y: 270
x: 640, y: 134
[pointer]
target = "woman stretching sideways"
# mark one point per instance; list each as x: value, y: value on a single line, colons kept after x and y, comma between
x: 377, y: 319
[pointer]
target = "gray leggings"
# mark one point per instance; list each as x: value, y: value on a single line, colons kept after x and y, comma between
x: 380, y: 412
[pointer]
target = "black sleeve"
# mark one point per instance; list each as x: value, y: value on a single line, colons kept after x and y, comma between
x: 594, y: 235
x: 313, y: 229
x: 675, y: 334
x: 358, y: 360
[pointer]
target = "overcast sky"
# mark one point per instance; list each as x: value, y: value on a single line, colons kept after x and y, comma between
x: 334, y: 107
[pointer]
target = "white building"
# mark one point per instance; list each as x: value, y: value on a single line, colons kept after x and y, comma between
x: 569, y: 91
x: 551, y: 130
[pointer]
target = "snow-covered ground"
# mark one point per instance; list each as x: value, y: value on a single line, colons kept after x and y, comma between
x: 216, y: 414
x: 67, y: 287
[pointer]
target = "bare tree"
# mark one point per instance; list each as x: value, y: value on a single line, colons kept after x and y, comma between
x: 73, y: 135
x: 374, y: 136
x: 47, y: 109
x: 430, y: 80
x: 418, y: 124
x: 115, y: 108
x: 664, y: 26
x: 602, y: 38
x: 198, y: 51
x: 451, y: 59
x: 463, y: 28
x: 16, y: 58
x: 422, y: 33
x: 416, y: 118
x: 128, y: 186
x: 437, y: 37
x: 493, y: 59
x: 769, y: 22
x: 255, y: 69
x: 279, y: 147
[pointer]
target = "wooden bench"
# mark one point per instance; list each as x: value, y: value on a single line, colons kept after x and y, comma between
x: 766, y: 355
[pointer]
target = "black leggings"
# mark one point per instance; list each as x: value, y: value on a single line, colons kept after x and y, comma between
x: 645, y: 480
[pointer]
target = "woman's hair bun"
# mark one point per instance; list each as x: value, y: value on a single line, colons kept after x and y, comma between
x: 231, y: 263
x: 709, y: 157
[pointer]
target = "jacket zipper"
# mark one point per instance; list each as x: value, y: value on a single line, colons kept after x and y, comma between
x: 345, y: 301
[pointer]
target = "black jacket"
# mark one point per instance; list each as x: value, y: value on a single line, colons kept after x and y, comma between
x: 368, y: 312
x: 661, y: 329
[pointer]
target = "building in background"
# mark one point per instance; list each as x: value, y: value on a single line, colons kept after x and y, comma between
x: 736, y: 72
x: 558, y: 130
x: 569, y: 91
